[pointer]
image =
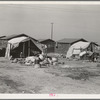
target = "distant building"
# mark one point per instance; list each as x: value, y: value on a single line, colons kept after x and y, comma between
x: 63, y: 45
x: 49, y: 43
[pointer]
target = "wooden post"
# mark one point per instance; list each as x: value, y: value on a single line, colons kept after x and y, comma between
x: 29, y: 48
x: 23, y: 50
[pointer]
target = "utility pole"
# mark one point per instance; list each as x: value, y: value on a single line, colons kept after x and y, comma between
x: 52, y: 30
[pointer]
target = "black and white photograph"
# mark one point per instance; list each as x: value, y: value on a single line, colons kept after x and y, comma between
x: 49, y: 48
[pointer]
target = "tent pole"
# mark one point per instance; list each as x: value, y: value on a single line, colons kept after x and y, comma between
x: 23, y: 49
x: 29, y: 48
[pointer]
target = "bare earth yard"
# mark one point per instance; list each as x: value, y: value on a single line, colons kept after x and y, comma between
x: 74, y: 77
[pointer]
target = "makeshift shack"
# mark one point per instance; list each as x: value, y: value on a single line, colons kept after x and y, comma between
x: 63, y: 45
x: 4, y: 41
x: 50, y: 45
x: 22, y: 47
x: 81, y: 48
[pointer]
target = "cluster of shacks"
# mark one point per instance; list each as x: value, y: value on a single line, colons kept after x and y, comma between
x: 22, y: 45
x: 78, y: 48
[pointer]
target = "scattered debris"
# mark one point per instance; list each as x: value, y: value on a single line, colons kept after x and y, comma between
x: 37, y: 61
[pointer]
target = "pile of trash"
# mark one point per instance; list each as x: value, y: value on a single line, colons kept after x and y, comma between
x: 37, y: 61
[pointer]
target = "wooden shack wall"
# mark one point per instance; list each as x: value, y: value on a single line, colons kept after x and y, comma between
x: 50, y: 46
x: 62, y: 48
x: 3, y: 45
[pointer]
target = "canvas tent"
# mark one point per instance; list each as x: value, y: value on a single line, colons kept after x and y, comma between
x: 4, y: 41
x: 76, y: 48
x: 23, y: 44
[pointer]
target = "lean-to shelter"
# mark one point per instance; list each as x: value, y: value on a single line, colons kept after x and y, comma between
x: 24, y: 45
x: 4, y: 41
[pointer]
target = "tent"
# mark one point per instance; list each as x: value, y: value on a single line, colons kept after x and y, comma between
x: 76, y: 48
x: 24, y: 45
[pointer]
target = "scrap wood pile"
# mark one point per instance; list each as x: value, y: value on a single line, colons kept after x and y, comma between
x: 39, y: 61
x: 86, y: 56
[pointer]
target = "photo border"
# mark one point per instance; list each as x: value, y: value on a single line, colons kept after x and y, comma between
x: 47, y: 96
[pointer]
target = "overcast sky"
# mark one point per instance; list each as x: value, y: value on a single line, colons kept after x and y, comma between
x: 70, y: 21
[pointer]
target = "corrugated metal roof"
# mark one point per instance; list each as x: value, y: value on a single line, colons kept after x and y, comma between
x: 69, y: 40
x: 42, y: 40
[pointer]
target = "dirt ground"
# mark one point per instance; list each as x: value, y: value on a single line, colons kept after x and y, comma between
x: 73, y: 77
